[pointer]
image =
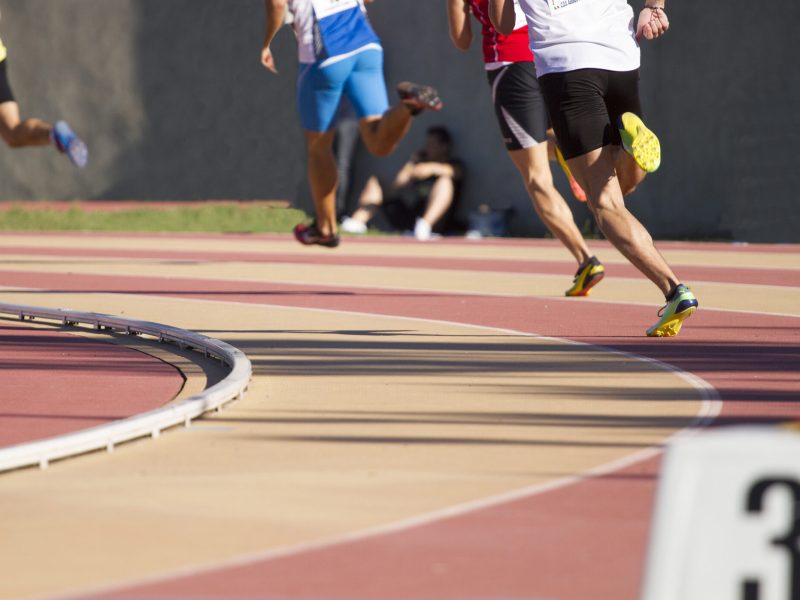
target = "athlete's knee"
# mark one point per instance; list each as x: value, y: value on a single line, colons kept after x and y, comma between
x: 629, y: 184
x: 372, y: 194
x: 444, y: 183
x: 13, y: 137
x: 379, y: 147
x: 630, y: 174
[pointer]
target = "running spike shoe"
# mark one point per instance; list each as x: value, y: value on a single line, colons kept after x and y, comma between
x: 678, y: 308
x: 309, y: 235
x: 589, y: 275
x: 641, y: 143
x: 419, y: 97
x: 70, y: 144
x: 577, y: 190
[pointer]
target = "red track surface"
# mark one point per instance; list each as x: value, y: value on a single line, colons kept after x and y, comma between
x: 56, y: 383
x: 778, y: 277
x: 514, y: 549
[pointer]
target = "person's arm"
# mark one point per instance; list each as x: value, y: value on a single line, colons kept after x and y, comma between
x: 405, y: 175
x: 502, y: 15
x: 276, y: 15
x: 460, y: 28
x: 426, y: 170
x: 653, y: 21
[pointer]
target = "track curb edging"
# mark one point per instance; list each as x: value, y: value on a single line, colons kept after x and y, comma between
x: 148, y: 424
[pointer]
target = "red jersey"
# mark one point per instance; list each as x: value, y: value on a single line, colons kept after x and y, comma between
x: 499, y: 48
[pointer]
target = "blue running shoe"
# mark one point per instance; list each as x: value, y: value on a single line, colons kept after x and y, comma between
x: 70, y: 144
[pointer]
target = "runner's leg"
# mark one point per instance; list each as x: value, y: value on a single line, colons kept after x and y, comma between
x: 382, y: 134
x: 17, y: 133
x: 522, y: 117
x: 322, y: 178
x: 381, y: 127
x: 596, y: 173
x: 533, y: 165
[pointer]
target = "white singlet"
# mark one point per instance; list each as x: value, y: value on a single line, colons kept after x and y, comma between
x: 567, y: 35
x: 310, y: 18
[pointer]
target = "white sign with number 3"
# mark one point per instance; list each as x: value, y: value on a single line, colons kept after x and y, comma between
x: 727, y: 521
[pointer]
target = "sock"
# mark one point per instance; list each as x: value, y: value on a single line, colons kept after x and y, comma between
x: 673, y: 292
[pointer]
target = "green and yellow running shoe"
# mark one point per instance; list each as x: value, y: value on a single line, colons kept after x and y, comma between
x: 589, y: 275
x: 641, y: 143
x: 679, y: 308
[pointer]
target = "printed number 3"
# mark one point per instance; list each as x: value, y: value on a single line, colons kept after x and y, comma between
x: 751, y: 589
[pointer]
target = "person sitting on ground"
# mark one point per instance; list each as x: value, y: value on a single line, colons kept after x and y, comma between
x: 423, y: 196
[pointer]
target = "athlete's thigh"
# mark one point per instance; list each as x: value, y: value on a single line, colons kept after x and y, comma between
x: 319, y: 92
x: 366, y: 85
x: 9, y: 117
x: 578, y: 113
x: 622, y: 95
x: 519, y: 106
x: 596, y: 173
x: 6, y: 95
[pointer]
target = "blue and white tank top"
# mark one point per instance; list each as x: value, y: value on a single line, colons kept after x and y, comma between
x: 328, y: 30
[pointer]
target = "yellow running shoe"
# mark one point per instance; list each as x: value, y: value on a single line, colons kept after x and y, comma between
x: 577, y: 190
x: 674, y: 313
x: 589, y: 275
x: 641, y: 143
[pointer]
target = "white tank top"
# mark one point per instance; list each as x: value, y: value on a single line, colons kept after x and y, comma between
x: 312, y: 18
x: 567, y: 35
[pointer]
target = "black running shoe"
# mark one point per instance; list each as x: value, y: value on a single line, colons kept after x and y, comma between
x: 309, y: 235
x: 419, y: 97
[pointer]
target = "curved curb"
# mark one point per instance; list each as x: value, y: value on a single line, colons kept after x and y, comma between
x: 151, y: 423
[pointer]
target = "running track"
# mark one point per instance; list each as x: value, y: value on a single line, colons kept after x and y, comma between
x: 579, y: 541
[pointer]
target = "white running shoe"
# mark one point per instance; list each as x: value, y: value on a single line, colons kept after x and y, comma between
x: 350, y: 225
x: 422, y: 230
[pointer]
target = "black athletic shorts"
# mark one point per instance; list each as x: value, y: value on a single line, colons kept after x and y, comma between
x: 519, y: 105
x: 585, y: 106
x: 5, y: 87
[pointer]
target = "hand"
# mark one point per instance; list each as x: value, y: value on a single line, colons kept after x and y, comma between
x: 653, y: 22
x: 267, y: 60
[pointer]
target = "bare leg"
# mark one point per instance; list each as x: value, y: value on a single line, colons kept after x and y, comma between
x: 596, y: 174
x: 17, y: 133
x: 382, y: 134
x: 322, y: 178
x: 629, y: 173
x: 551, y: 145
x: 551, y: 207
x: 439, y: 200
x: 370, y: 199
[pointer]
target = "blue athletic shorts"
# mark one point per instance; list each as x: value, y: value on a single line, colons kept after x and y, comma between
x: 320, y: 87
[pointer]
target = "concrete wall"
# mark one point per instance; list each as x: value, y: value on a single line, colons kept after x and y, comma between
x: 174, y: 104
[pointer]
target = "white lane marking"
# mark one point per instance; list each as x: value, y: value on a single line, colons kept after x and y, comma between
x: 710, y: 408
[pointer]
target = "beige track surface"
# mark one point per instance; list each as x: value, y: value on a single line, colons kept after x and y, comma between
x: 352, y: 420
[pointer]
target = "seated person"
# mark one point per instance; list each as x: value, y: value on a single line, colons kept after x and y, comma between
x: 423, y: 196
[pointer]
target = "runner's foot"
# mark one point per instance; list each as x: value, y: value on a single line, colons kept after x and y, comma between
x: 641, y: 143
x: 309, y: 235
x: 679, y: 307
x: 70, y: 144
x: 419, y: 97
x: 589, y: 275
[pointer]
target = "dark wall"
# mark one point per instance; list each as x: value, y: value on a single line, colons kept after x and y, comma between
x: 174, y: 104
